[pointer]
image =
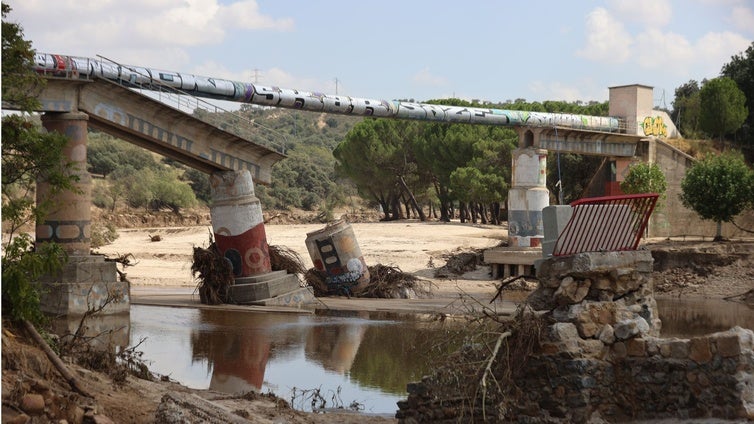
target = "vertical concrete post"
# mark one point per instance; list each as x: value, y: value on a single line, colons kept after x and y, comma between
x: 69, y: 221
x: 86, y: 282
x: 238, y: 224
x: 527, y: 197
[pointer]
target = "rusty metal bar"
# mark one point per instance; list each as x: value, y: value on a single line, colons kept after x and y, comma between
x: 604, y: 224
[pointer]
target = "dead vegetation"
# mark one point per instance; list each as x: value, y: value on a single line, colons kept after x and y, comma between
x: 460, y: 262
x: 478, y: 382
x: 213, y: 273
x: 214, y: 276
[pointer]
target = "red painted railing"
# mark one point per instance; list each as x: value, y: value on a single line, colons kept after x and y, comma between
x: 605, y: 224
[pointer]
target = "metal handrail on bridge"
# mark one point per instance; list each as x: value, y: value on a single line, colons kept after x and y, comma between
x: 216, y: 116
x: 605, y: 224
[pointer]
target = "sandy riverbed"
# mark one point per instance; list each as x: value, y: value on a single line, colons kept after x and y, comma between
x: 413, y: 246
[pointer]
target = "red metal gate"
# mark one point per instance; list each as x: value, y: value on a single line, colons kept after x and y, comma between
x: 604, y: 224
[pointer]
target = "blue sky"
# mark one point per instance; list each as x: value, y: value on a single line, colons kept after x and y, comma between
x: 403, y: 49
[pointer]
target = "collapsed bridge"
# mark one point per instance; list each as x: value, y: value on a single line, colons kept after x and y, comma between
x: 115, y: 98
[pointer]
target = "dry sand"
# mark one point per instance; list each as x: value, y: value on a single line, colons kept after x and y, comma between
x: 414, y: 247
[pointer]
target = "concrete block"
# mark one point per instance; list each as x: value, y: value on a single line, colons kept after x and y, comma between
x: 554, y: 219
x: 262, y: 287
x: 84, y: 283
x: 295, y: 299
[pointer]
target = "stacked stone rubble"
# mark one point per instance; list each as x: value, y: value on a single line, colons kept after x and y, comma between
x: 600, y: 356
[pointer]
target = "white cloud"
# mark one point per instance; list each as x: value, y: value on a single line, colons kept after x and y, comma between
x: 583, y: 90
x: 663, y: 50
x: 138, y: 29
x: 743, y: 18
x: 425, y: 77
x: 650, y: 13
x: 715, y: 49
x: 245, y: 14
x: 606, y: 38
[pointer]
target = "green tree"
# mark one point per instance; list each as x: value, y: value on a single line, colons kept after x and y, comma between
x: 718, y: 188
x: 687, y: 109
x: 741, y: 70
x: 105, y: 154
x: 28, y: 155
x: 644, y: 177
x: 368, y: 156
x: 723, y: 107
x: 569, y: 174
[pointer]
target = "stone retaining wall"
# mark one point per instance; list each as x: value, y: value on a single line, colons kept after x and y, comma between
x: 600, y: 355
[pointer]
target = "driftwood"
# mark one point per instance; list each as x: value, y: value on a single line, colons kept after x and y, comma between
x: 56, y: 361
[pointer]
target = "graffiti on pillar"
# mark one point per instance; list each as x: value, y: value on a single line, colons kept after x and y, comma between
x: 653, y: 125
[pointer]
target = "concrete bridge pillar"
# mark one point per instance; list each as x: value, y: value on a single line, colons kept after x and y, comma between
x: 527, y: 197
x: 238, y: 224
x: 69, y: 221
x: 528, y: 194
x: 86, y: 281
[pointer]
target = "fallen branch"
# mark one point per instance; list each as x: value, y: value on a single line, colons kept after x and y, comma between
x: 742, y: 295
x: 56, y: 361
x: 488, y: 370
x: 506, y: 283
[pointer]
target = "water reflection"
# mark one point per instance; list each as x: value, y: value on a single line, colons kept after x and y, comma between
x: 101, y: 331
x: 368, y: 359
x: 691, y: 317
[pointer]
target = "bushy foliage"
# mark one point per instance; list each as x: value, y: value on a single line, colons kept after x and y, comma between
x: 29, y: 155
x: 153, y: 189
x: 105, y: 154
x: 723, y: 107
x: 644, y: 177
x: 718, y: 188
x: 741, y: 70
x: 23, y: 265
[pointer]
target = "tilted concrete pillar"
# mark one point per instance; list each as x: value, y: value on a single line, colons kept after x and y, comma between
x: 86, y: 282
x: 238, y: 224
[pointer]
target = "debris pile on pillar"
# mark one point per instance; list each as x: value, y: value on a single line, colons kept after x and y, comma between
x: 238, y: 228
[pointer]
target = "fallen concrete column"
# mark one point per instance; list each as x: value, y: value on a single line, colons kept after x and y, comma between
x: 335, y: 252
x: 238, y: 224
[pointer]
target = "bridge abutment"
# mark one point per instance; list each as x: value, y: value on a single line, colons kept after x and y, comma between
x: 86, y: 281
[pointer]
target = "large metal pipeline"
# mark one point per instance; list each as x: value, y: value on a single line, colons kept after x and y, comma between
x: 245, y: 92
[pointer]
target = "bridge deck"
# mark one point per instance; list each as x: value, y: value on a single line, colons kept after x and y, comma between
x: 149, y: 123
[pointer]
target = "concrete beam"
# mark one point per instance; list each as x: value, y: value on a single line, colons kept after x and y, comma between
x: 588, y: 142
x: 146, y: 122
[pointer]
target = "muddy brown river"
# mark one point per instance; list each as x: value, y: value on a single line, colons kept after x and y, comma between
x: 339, y: 358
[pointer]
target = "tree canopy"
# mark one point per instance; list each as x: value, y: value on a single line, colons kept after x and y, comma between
x: 723, y: 107
x: 29, y: 155
x: 741, y: 70
x: 718, y: 188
